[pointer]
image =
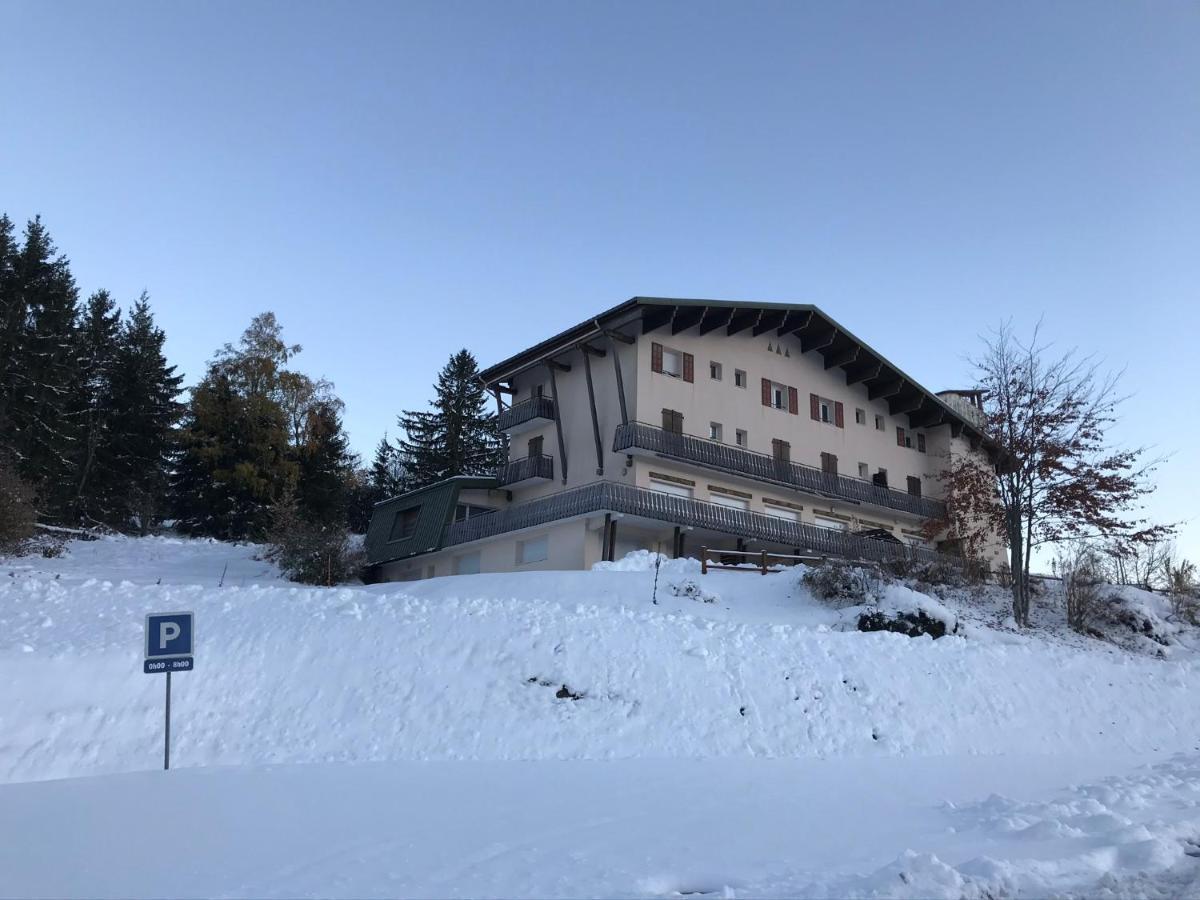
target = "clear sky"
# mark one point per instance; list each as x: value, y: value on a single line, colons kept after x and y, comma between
x: 399, y: 180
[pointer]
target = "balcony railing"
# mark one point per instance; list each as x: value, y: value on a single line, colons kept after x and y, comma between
x: 607, y: 496
x: 748, y: 464
x: 526, y: 411
x: 540, y: 466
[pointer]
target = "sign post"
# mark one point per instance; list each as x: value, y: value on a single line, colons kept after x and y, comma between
x: 169, y: 644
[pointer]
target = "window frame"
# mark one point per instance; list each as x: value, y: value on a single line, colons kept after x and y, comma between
x: 716, y: 432
x: 741, y: 438
x: 715, y: 370
x: 860, y: 416
x: 740, y: 378
x: 406, y: 532
x: 523, y: 545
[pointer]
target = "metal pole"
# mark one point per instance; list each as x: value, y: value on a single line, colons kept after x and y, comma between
x: 167, y: 731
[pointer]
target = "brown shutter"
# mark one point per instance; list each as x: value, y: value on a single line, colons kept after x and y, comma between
x: 656, y: 357
x: 766, y: 392
x: 839, y: 415
x: 814, y: 407
x: 689, y: 367
x: 921, y: 443
x: 899, y: 436
x: 793, y: 401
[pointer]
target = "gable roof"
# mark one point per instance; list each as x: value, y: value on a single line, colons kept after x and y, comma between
x: 816, y: 331
x: 436, y: 503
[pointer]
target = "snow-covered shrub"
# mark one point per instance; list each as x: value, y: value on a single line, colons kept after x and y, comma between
x: 310, y: 552
x: 17, y: 514
x: 849, y: 584
x: 1184, y: 592
x: 938, y: 572
x: 1080, y: 571
x: 689, y: 588
x: 913, y: 624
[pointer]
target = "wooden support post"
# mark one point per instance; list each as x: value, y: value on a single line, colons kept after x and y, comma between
x: 562, y: 448
x: 612, y: 541
x: 604, y: 537
x: 587, y: 371
x: 616, y: 355
x: 764, y: 562
x: 703, y: 560
x: 675, y: 543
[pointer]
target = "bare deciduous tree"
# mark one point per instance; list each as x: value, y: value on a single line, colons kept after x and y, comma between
x: 1056, y: 478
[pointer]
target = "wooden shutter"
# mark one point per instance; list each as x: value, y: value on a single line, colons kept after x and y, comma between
x: 899, y: 436
x: 781, y: 450
x: 828, y: 463
x: 920, y: 443
x: 656, y: 357
x: 689, y: 367
x: 914, y: 485
x: 814, y: 408
x: 766, y: 392
x: 839, y: 415
x: 793, y: 401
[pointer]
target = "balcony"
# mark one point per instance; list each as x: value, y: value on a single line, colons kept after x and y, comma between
x: 733, y: 460
x: 608, y: 496
x: 526, y: 414
x: 526, y: 468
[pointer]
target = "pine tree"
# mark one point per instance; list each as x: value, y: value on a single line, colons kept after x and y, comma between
x: 145, y: 410
x: 458, y: 436
x: 387, y: 474
x: 37, y: 421
x: 12, y: 325
x: 91, y: 407
x: 325, y: 464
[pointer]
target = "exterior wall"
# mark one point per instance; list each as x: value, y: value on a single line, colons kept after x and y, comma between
x: 706, y: 401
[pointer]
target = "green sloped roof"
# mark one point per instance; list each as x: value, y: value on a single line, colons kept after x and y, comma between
x: 437, y: 503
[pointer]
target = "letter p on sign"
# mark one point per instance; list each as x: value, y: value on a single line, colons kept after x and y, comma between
x: 167, y: 632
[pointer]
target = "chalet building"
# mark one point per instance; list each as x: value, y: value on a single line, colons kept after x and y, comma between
x: 680, y: 423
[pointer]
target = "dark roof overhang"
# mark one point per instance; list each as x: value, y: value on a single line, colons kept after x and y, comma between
x: 815, y: 330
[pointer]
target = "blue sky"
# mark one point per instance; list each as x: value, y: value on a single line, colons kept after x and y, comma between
x: 399, y: 180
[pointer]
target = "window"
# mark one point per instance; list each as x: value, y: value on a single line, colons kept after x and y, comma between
x: 781, y: 509
x: 881, y: 478
x: 533, y: 550
x: 828, y: 463
x: 824, y: 410
x: 900, y: 438
x: 405, y: 524
x: 741, y: 438
x: 739, y: 378
x: 864, y: 471
x: 676, y: 487
x: 778, y: 395
x: 914, y: 485
x: 860, y: 416
x: 539, y: 390
x: 879, y: 424
x: 672, y: 421
x: 920, y: 443
x: 714, y: 431
x: 730, y: 499
x: 781, y: 450
x: 714, y: 371
x: 465, y: 511
x: 672, y: 363
x: 467, y: 564
x: 829, y: 522
x: 535, y: 445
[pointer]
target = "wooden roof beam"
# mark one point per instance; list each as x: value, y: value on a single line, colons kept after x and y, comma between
x: 767, y: 321
x: 742, y: 320
x: 901, y: 405
x: 657, y: 318
x: 885, y: 389
x: 848, y: 355
x: 687, y: 317
x: 716, y: 318
x: 593, y: 351
x: 817, y: 339
x: 927, y: 418
x: 794, y: 321
x: 863, y: 373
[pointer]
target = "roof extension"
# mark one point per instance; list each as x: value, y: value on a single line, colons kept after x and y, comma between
x: 435, y: 504
x: 815, y: 330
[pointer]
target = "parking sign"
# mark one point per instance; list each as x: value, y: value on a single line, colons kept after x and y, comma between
x: 169, y: 642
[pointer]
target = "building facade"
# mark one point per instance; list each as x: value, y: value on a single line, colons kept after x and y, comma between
x: 670, y: 424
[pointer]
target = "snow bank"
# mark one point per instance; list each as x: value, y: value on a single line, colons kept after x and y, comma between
x: 442, y: 669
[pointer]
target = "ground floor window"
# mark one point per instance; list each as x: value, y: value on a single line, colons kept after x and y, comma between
x: 827, y: 522
x: 467, y: 564
x: 728, y: 499
x: 779, y: 511
x: 533, y: 550
x: 674, y: 488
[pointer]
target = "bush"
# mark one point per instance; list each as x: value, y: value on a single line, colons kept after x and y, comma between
x: 1081, y: 577
x: 912, y: 624
x: 310, y: 552
x: 837, y: 580
x: 17, y: 512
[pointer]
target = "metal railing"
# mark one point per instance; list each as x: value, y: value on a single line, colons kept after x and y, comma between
x: 761, y: 467
x: 607, y: 496
x: 539, y: 466
x: 520, y: 413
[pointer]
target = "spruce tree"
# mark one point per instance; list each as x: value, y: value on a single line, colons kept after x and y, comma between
x: 324, y: 467
x: 12, y: 325
x: 91, y: 407
x: 145, y: 410
x: 387, y: 474
x: 458, y: 436
x: 37, y: 421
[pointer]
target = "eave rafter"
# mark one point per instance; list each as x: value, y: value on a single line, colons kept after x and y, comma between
x: 864, y: 372
x: 794, y: 321
x: 768, y: 321
x: 688, y: 317
x: 716, y: 318
x: 903, y: 404
x: 657, y: 318
x: 817, y: 338
x: 740, y: 321
x: 927, y: 417
x: 885, y: 389
x: 842, y: 357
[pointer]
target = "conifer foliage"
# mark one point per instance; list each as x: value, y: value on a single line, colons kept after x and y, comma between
x: 458, y: 436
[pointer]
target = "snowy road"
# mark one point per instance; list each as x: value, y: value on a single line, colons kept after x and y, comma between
x: 733, y: 827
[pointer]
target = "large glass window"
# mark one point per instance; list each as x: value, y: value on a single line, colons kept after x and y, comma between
x: 404, y: 524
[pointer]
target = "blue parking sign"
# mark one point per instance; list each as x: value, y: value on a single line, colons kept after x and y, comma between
x: 169, y: 642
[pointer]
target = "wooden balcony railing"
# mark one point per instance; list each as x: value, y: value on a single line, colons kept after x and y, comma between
x: 525, y: 411
x: 515, y: 470
x: 748, y: 464
x: 607, y: 496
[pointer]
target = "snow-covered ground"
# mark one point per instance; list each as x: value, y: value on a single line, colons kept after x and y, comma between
x: 735, y: 738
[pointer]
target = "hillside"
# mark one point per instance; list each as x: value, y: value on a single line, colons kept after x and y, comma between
x: 735, y: 693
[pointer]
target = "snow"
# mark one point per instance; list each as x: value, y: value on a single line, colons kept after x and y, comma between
x: 731, y: 736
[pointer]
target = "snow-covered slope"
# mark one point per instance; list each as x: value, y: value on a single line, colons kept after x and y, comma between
x: 470, y: 668
x: 734, y: 737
